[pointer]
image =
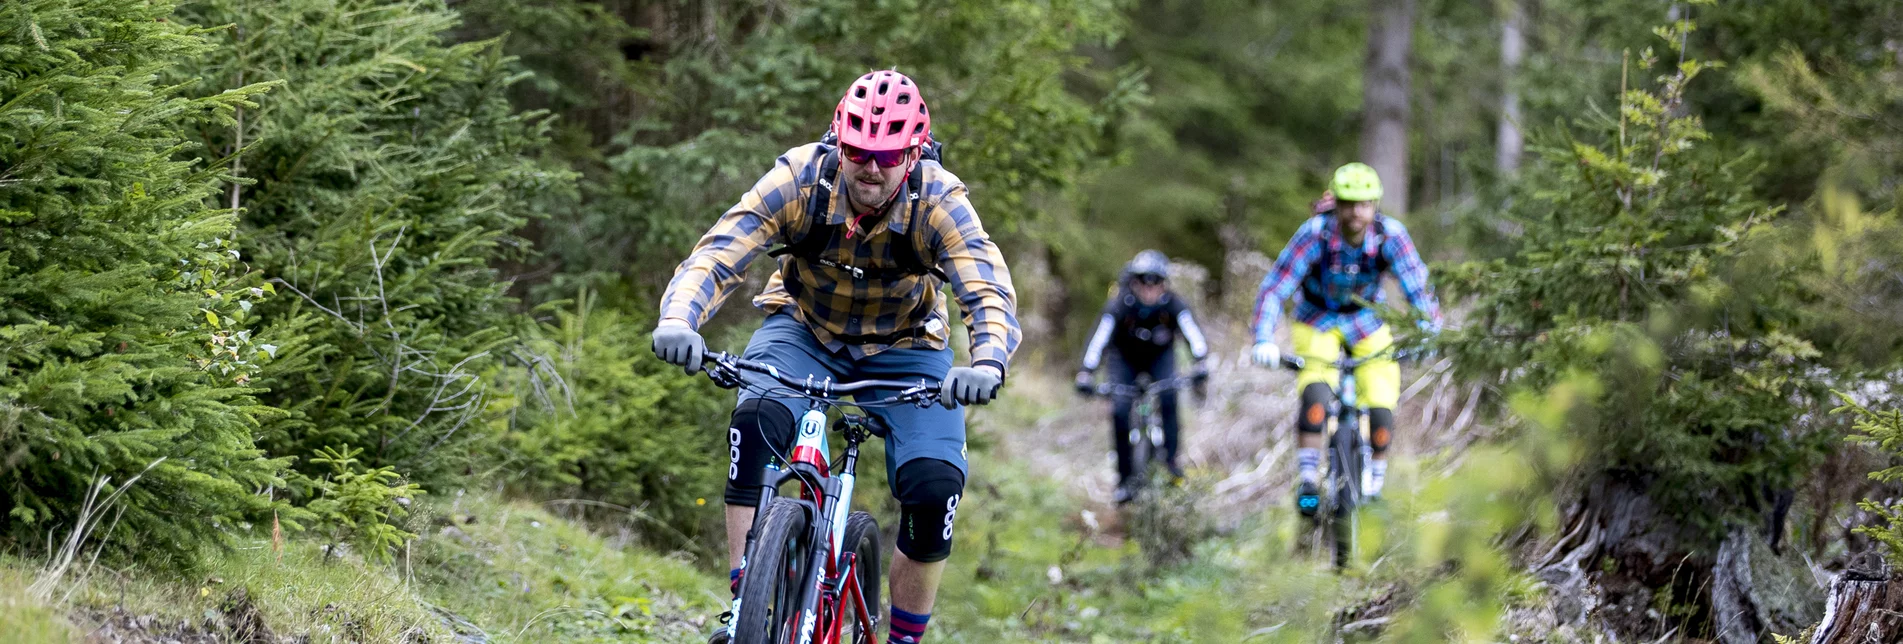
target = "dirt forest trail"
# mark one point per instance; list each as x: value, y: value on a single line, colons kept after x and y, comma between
x: 1045, y: 554
x: 1238, y: 442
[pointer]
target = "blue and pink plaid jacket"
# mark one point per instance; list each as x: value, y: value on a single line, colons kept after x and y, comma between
x: 1328, y: 293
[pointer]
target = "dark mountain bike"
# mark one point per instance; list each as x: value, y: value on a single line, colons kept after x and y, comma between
x: 1348, y: 457
x: 1146, y: 420
x: 1163, y: 522
x: 812, y: 566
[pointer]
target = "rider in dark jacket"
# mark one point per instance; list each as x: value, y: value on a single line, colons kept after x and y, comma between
x: 1140, y: 326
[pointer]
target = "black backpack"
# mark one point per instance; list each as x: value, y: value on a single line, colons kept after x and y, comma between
x: 814, y: 237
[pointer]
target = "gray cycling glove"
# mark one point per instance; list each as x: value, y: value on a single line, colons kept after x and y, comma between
x: 969, y: 386
x: 679, y: 345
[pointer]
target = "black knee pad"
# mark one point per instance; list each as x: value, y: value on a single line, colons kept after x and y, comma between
x: 747, y: 448
x: 1312, y: 418
x: 1380, y: 429
x: 928, y: 491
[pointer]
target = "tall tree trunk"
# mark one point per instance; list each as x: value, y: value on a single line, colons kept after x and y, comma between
x: 1384, y: 98
x: 1509, y: 143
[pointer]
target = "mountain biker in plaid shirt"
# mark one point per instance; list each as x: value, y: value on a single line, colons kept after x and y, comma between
x: 846, y: 305
x: 1335, y: 262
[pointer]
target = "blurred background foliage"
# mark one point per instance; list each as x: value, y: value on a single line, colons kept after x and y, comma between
x: 432, y: 232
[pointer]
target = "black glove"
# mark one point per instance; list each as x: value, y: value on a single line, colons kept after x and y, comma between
x: 969, y: 386
x: 679, y: 345
x: 1086, y: 383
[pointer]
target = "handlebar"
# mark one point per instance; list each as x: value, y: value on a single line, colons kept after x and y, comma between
x: 1347, y: 363
x: 725, y: 368
x: 1111, y: 389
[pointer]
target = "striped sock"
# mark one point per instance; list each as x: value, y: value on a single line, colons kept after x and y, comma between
x: 733, y: 581
x: 907, y: 628
x: 1309, y: 460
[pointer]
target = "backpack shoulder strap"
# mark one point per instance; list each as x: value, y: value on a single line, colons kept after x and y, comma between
x: 910, y: 256
x: 1380, y: 260
x: 812, y: 235
x: 1328, y: 241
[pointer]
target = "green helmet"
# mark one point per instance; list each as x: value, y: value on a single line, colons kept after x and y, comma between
x: 1356, y: 182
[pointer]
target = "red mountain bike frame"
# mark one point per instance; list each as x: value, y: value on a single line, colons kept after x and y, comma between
x: 835, y: 586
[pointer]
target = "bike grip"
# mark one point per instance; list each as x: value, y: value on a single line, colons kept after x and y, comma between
x: 1292, y: 362
x: 877, y: 427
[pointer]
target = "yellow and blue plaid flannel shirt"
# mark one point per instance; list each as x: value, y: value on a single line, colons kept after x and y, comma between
x: 833, y: 303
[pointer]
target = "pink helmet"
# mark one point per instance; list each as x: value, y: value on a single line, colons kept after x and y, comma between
x: 882, y: 111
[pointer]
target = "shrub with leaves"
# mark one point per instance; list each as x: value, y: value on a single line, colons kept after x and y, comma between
x: 124, y: 331
x: 357, y: 505
x: 606, y: 422
x: 1635, y: 265
x: 388, y: 175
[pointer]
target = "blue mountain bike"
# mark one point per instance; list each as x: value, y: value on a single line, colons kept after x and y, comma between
x: 1349, y: 455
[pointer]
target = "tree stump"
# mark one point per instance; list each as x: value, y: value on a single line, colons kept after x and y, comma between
x: 1754, y: 590
x: 1864, y: 608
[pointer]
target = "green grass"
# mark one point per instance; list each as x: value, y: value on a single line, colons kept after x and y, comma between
x: 24, y: 619
x: 1001, y: 586
x: 524, y: 575
x: 508, y: 570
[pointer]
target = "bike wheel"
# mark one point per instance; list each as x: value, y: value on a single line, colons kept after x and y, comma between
x: 1345, y: 475
x: 778, y: 573
x: 862, y: 538
x: 1138, y: 458
x: 1345, y: 525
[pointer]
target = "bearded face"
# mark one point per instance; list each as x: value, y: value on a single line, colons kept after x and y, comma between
x: 868, y: 185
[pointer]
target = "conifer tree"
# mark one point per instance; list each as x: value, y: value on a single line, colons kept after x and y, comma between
x: 123, y: 344
x: 1636, y: 265
x: 390, y: 173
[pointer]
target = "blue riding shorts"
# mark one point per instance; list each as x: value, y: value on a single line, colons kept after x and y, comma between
x: 930, y: 432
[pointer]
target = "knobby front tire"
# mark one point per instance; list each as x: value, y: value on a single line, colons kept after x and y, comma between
x: 1346, y: 475
x: 1344, y: 528
x: 777, y: 574
x: 862, y: 538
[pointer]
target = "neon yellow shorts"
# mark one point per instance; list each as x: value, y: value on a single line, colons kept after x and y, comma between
x: 1378, y: 381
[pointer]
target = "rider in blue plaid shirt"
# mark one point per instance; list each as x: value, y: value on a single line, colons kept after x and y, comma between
x: 1335, y: 263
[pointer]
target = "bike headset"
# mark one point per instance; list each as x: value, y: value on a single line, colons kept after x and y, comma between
x: 778, y: 389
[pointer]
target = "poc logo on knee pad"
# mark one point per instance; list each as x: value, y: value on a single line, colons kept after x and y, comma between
x: 951, y: 512
x: 733, y: 453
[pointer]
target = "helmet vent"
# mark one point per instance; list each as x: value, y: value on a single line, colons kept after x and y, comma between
x: 895, y: 128
x: 883, y: 86
x: 856, y: 123
x: 905, y: 98
x: 878, y: 109
x: 858, y: 92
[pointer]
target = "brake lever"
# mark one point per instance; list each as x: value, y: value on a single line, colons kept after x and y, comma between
x: 723, y: 374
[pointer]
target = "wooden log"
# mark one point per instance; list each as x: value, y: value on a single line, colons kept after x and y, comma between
x: 1864, y: 608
